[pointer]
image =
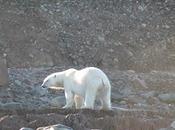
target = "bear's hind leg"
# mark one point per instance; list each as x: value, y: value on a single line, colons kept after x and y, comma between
x: 79, y: 101
x: 90, y: 98
x: 106, y: 99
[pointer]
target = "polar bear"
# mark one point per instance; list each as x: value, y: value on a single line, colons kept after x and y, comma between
x: 82, y: 86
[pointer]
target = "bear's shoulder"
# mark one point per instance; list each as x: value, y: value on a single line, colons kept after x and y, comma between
x: 70, y: 71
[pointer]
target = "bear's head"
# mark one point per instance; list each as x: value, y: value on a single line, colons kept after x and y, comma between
x: 49, y: 81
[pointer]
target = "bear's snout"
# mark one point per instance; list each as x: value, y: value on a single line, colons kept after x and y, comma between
x: 43, y: 86
x: 43, y: 90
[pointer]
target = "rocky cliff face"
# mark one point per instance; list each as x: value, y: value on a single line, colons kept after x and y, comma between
x: 110, y: 34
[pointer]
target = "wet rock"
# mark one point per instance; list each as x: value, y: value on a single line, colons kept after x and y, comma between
x: 55, y: 127
x: 167, y: 97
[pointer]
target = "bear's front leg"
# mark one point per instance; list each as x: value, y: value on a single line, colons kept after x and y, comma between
x: 69, y: 99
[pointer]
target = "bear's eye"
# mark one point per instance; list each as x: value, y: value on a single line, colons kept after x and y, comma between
x: 54, y: 76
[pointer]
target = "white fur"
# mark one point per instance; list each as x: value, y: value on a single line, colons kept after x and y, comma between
x: 83, y: 86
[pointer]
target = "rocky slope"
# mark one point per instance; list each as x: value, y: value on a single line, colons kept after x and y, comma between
x: 136, y: 97
x: 112, y: 34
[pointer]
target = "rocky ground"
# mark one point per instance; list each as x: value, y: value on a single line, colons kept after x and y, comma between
x: 140, y: 101
x: 132, y: 41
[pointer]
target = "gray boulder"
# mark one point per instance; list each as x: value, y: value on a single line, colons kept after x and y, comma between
x: 55, y: 127
x: 167, y: 97
x: 25, y: 128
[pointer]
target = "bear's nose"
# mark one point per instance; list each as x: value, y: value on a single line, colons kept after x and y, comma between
x: 43, y: 86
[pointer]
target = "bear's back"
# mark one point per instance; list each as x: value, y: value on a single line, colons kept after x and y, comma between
x: 91, y: 72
